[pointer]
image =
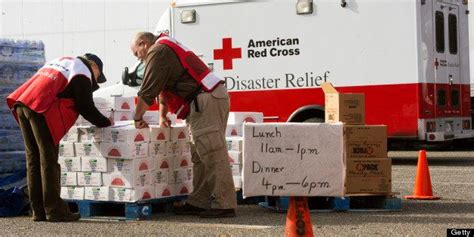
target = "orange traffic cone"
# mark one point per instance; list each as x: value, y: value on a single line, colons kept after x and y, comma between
x: 422, y: 189
x: 298, y: 220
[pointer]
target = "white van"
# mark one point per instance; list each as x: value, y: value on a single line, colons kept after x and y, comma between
x: 409, y: 57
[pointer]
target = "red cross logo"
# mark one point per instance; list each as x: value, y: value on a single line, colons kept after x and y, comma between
x: 227, y: 53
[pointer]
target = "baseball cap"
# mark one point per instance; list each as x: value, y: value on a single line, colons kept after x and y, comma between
x: 99, y: 63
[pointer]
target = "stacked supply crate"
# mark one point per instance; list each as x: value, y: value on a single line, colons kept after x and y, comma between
x: 130, y: 167
x: 368, y: 168
x: 171, y: 152
x: 123, y: 108
x: 234, y: 138
x: 122, y: 163
x: 19, y: 60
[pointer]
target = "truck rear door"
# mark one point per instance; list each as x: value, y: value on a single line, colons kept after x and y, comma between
x: 447, y: 60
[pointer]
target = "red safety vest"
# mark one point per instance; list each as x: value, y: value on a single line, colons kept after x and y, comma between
x: 195, y: 67
x: 40, y: 92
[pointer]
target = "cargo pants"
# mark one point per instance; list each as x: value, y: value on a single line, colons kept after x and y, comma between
x: 43, y: 171
x: 213, y: 182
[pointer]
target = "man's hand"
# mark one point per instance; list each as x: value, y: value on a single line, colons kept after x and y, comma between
x: 165, y: 122
x: 141, y: 124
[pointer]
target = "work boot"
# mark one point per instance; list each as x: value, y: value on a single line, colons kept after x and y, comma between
x: 39, y: 218
x: 217, y: 213
x: 66, y: 218
x: 188, y: 209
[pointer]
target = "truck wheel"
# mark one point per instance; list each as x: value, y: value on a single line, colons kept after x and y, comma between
x: 314, y: 120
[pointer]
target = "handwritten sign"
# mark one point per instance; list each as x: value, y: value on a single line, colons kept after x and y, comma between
x: 293, y: 159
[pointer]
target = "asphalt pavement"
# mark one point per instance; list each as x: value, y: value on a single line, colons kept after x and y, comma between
x: 452, y: 177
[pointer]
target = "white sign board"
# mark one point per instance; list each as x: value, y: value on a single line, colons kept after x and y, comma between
x: 293, y: 159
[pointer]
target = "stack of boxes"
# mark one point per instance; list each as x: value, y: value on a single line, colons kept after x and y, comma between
x: 368, y: 168
x: 19, y: 60
x: 170, y: 149
x: 234, y: 139
x: 125, y: 164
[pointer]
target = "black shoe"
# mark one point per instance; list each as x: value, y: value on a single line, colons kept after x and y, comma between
x: 67, y: 218
x: 39, y: 218
x: 188, y: 209
x: 217, y: 213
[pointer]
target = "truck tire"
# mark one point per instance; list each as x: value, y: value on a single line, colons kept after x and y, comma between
x: 314, y: 120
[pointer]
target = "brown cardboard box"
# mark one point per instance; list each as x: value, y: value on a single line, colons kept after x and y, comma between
x: 369, y: 176
x: 365, y: 141
x: 346, y: 108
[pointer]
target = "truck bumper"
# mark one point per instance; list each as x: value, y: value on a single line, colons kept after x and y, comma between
x: 443, y: 136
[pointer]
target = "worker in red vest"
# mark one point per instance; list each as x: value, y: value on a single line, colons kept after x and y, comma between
x: 46, y: 107
x: 187, y: 88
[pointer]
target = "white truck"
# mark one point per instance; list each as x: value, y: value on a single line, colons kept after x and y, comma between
x: 409, y: 57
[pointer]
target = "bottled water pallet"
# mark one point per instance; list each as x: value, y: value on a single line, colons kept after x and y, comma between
x: 363, y: 203
x: 109, y: 210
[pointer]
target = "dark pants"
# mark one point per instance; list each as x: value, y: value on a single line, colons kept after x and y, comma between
x: 43, y: 171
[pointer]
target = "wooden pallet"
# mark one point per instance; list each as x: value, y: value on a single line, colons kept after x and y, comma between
x: 123, y: 210
x: 365, y: 203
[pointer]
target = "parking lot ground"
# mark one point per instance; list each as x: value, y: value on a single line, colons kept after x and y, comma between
x: 452, y: 177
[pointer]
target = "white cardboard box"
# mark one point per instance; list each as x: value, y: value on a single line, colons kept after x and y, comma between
x: 68, y: 179
x: 130, y: 165
x: 158, y: 133
x: 66, y: 149
x: 103, y: 103
x: 294, y: 159
x: 89, y: 178
x: 81, y: 121
x: 160, y: 176
x: 87, y: 149
x: 184, y: 188
x: 173, y: 148
x: 235, y: 143
x: 94, y: 164
x: 72, y: 193
x: 118, y: 179
x: 143, y: 193
x: 235, y: 157
x: 234, y: 130
x: 179, y: 133
x: 124, y: 150
x: 89, y: 134
x: 237, y: 181
x: 182, y: 161
x: 124, y: 103
x: 126, y: 134
x: 164, y: 190
x: 69, y: 164
x: 185, y: 147
x: 236, y: 169
x: 123, y: 115
x: 180, y: 175
x: 157, y: 148
x: 163, y: 162
x: 98, y: 193
x: 152, y: 117
x: 132, y: 195
x: 245, y: 117
x: 71, y: 135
